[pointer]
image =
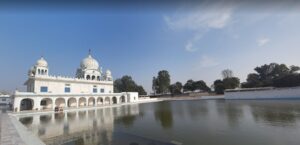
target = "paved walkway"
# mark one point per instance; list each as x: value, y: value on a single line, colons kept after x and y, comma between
x: 8, y: 132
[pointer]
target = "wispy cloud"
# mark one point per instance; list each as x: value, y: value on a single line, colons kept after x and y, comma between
x: 263, y: 41
x: 200, y: 21
x: 207, y: 61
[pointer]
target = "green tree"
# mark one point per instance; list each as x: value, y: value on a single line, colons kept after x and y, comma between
x: 176, y: 88
x: 228, y: 82
x: 267, y: 74
x: 189, y: 86
x: 162, y: 82
x: 253, y: 80
x: 219, y: 86
x: 154, y: 85
x: 127, y: 84
x: 201, y: 85
x: 231, y: 83
x: 141, y: 90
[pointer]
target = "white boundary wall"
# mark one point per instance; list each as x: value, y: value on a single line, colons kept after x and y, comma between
x: 272, y: 93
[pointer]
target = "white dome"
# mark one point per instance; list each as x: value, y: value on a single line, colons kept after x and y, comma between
x: 108, y: 73
x: 42, y: 62
x: 89, y: 63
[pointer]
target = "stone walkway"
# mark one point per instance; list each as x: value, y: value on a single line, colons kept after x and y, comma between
x: 8, y: 133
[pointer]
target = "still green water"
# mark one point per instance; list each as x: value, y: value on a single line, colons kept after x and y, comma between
x: 201, y: 122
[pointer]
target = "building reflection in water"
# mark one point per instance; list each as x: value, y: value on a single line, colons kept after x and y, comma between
x: 80, y: 127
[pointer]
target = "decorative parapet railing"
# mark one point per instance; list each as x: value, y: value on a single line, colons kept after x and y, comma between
x: 32, y: 94
x: 66, y: 78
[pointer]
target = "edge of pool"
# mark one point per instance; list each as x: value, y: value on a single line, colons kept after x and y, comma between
x: 28, y: 138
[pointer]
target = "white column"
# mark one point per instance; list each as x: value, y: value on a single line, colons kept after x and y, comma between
x: 37, y: 103
x: 53, y: 99
x: 77, y: 101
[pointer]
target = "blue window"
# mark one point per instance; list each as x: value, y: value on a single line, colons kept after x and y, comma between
x: 102, y: 90
x: 44, y: 89
x: 67, y: 90
x: 95, y: 90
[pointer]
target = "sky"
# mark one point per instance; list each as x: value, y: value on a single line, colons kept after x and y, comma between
x: 190, y: 40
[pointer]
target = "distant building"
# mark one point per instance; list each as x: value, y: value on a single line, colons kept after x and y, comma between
x: 5, y: 99
x: 90, y: 87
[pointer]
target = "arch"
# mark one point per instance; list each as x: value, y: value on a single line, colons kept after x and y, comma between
x: 100, y: 101
x: 98, y: 78
x: 26, y: 104
x: 42, y: 71
x: 122, y: 99
x: 72, y: 102
x: 60, y: 102
x: 46, y: 103
x: 91, y: 101
x: 107, y: 100
x: 39, y: 71
x: 114, y: 100
x: 82, y: 101
x: 45, y: 71
x: 93, y: 77
x: 88, y: 77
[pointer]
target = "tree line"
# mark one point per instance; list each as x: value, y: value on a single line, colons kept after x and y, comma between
x: 267, y: 75
x: 161, y: 84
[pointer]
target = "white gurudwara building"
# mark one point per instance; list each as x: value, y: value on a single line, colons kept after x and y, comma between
x: 90, y: 87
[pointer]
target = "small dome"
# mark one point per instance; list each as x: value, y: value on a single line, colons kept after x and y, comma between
x: 108, y: 73
x: 89, y: 63
x: 42, y: 62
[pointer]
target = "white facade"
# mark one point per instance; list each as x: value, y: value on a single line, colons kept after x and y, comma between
x: 90, y: 87
x: 5, y: 99
x: 264, y: 93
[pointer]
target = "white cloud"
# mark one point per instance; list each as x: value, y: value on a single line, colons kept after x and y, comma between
x: 263, y: 41
x: 207, y: 61
x: 214, y: 17
x: 190, y: 43
x: 200, y: 21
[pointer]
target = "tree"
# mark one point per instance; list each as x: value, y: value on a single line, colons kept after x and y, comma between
x: 201, y: 85
x: 227, y: 73
x: 267, y: 74
x: 126, y: 84
x: 231, y: 83
x: 291, y: 80
x: 253, y: 80
x: 189, y: 86
x: 154, y: 85
x: 175, y: 88
x: 219, y: 87
x: 141, y: 90
x: 294, y: 69
x: 162, y: 82
x: 228, y: 82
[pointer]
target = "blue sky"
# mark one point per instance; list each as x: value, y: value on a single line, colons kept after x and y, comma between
x: 191, y: 42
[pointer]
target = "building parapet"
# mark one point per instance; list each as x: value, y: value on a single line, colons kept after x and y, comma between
x: 66, y: 78
x: 32, y: 94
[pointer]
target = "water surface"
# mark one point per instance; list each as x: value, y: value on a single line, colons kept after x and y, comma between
x: 201, y: 122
